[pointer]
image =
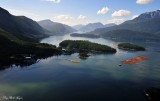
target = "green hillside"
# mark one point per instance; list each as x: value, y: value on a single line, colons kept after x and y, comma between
x: 123, y: 34
x: 11, y: 45
x: 20, y: 26
x: 21, y: 35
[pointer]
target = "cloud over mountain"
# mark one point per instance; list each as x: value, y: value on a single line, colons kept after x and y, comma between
x: 115, y: 21
x: 81, y: 17
x: 135, y: 16
x: 103, y: 11
x: 63, y: 17
x: 121, y: 13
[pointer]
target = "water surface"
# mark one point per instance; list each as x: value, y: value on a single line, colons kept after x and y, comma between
x: 98, y: 78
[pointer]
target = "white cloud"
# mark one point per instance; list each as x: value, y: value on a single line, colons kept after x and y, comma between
x: 135, y: 16
x: 121, y: 13
x: 63, y: 17
x: 81, y: 17
x: 70, y: 22
x: 103, y: 11
x: 55, y: 1
x: 143, y: 1
x: 116, y: 21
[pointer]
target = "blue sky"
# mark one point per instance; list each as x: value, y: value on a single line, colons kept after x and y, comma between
x: 73, y: 12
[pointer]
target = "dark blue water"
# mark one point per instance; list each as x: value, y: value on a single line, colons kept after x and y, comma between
x: 98, y: 78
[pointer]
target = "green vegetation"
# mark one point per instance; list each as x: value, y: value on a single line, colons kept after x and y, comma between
x: 86, y: 46
x: 19, y: 40
x: 83, y: 55
x: 11, y: 46
x: 128, y: 46
x: 21, y: 27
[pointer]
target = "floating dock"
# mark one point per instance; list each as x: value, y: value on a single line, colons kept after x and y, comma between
x: 134, y: 60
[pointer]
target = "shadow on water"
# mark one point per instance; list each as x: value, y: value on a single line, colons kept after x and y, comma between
x: 20, y: 60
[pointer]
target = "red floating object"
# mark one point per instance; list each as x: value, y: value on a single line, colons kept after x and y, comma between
x: 134, y: 60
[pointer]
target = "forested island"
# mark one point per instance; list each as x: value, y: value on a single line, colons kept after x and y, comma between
x: 85, y: 46
x: 128, y: 46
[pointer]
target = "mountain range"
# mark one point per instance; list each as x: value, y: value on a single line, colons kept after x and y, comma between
x: 55, y: 28
x: 129, y: 35
x: 91, y: 26
x: 78, y: 27
x: 21, y: 35
x: 22, y: 30
x: 148, y: 23
x: 21, y: 26
x: 147, y: 16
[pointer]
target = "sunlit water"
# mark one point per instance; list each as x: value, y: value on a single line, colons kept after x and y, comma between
x: 98, y: 78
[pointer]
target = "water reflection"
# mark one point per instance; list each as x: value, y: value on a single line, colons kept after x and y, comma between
x: 20, y: 60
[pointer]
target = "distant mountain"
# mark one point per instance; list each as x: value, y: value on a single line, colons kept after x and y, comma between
x: 77, y: 27
x: 146, y: 22
x: 147, y: 16
x: 56, y: 28
x: 91, y: 26
x: 110, y: 25
x: 123, y: 35
x: 21, y: 26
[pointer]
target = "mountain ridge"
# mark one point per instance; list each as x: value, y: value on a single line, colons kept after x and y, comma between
x: 148, y: 15
x: 93, y: 26
x: 55, y: 28
x: 148, y: 25
x: 21, y: 26
x: 21, y: 35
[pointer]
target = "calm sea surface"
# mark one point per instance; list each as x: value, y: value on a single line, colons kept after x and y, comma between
x: 98, y: 78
